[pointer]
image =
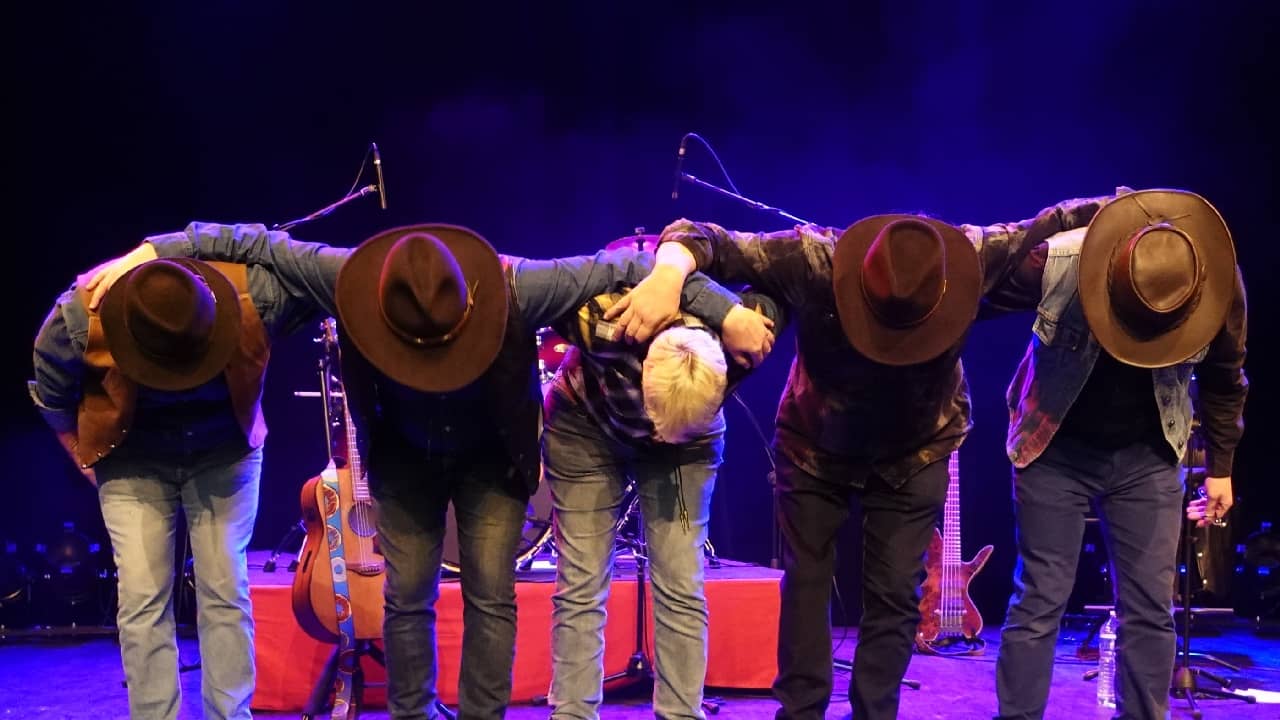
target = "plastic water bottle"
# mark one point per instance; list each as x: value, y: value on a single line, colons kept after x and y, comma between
x: 1107, y: 662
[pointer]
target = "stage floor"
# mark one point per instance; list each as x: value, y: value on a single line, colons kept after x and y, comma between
x: 79, y: 679
x: 742, y: 601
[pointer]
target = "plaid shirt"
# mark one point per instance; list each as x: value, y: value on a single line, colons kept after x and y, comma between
x: 602, y: 372
x: 843, y: 416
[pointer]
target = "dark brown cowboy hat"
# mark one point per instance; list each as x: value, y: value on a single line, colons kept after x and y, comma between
x: 906, y: 287
x: 171, y: 324
x: 425, y: 304
x: 1157, y: 274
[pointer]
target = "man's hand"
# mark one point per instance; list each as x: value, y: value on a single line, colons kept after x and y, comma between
x: 650, y: 306
x: 106, y: 274
x: 1213, y: 501
x: 747, y: 336
x: 68, y: 439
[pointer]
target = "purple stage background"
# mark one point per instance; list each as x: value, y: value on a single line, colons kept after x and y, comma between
x: 552, y: 129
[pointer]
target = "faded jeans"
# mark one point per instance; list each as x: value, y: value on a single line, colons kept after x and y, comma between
x: 140, y: 497
x: 588, y: 475
x: 412, y: 493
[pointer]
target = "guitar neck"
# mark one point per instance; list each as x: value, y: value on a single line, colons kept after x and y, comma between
x: 342, y: 432
x: 359, y: 483
x: 951, y: 513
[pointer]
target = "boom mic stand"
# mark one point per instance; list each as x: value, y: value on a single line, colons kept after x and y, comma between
x: 733, y: 194
x: 299, y: 529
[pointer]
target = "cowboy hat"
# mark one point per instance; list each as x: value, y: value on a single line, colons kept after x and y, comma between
x: 425, y: 304
x: 906, y: 287
x: 1157, y: 276
x: 171, y: 324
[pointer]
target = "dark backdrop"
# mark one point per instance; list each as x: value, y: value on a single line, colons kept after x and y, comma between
x: 552, y: 129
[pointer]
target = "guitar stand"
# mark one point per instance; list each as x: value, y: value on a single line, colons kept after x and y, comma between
x: 847, y: 666
x: 319, y: 702
x: 298, y: 529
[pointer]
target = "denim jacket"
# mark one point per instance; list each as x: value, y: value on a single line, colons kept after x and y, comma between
x: 1061, y: 357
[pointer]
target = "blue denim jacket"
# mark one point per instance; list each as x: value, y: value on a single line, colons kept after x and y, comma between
x: 1061, y: 356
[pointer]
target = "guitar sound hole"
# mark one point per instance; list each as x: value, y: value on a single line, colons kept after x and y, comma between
x: 360, y: 520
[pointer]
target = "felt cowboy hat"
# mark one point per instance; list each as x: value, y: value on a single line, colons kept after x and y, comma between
x: 906, y: 287
x: 425, y: 304
x: 171, y: 324
x: 1157, y: 276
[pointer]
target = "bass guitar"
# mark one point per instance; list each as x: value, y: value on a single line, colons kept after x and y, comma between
x: 315, y: 604
x: 948, y: 617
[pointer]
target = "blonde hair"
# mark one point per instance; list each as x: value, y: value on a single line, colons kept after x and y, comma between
x: 683, y: 382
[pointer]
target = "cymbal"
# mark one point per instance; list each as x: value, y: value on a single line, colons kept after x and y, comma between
x: 646, y: 243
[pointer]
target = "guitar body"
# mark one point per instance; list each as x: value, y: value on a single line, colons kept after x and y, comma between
x: 968, y: 624
x: 947, y: 613
x: 314, y: 603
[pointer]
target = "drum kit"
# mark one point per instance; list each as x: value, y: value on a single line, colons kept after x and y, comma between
x: 537, y: 520
x: 537, y: 532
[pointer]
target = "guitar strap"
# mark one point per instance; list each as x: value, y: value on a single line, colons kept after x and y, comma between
x: 347, y: 657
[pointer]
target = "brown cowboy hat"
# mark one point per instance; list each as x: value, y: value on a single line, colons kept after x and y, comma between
x: 425, y: 304
x: 1157, y: 275
x: 906, y: 287
x: 171, y: 324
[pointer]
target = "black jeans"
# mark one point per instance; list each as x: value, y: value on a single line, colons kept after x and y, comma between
x: 412, y: 495
x: 1139, y: 494
x: 896, y: 528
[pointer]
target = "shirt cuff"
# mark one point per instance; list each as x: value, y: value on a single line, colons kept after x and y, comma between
x: 59, y: 420
x: 173, y: 245
x: 711, y: 307
x: 1219, y: 464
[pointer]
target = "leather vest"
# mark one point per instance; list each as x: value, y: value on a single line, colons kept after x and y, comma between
x: 109, y: 397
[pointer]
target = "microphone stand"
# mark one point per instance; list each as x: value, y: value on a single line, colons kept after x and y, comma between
x: 366, y: 190
x: 741, y: 198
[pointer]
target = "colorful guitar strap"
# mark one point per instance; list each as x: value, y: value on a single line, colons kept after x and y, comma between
x: 341, y: 596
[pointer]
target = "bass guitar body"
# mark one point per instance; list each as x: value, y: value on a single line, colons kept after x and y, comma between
x: 947, y: 614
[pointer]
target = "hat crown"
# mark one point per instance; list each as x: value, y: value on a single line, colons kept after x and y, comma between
x: 903, y: 272
x: 1155, y: 278
x: 422, y: 291
x: 169, y: 311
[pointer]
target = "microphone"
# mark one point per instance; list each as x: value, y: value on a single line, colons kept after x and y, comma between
x: 675, y: 187
x: 377, y: 166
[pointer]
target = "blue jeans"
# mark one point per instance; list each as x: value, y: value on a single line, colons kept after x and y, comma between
x: 588, y: 475
x: 412, y: 493
x: 1138, y: 493
x: 140, y: 496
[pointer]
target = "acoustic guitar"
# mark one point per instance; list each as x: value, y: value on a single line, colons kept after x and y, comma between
x: 947, y: 614
x: 315, y: 605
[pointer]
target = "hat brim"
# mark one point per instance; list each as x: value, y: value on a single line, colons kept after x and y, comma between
x: 941, y: 331
x: 441, y: 368
x: 144, y: 370
x: 1114, y: 224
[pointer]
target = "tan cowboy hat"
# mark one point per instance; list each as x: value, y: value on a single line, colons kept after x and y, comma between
x: 425, y: 304
x: 171, y: 324
x: 1157, y: 275
x: 906, y: 287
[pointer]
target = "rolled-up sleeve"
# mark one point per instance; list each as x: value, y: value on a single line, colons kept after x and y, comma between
x: 58, y: 366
